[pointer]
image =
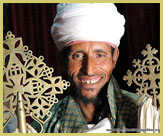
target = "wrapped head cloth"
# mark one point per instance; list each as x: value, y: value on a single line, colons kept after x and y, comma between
x: 79, y: 22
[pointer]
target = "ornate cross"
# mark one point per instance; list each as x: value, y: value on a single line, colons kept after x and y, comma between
x: 146, y: 75
x: 29, y: 76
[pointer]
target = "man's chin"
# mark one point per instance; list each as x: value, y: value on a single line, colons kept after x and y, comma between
x: 86, y: 95
x: 87, y: 100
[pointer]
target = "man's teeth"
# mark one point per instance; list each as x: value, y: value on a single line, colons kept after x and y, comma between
x: 90, y: 81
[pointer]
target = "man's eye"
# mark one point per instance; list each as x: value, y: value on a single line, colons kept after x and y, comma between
x: 100, y: 55
x: 78, y: 56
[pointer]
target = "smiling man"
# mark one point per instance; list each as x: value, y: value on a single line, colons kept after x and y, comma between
x: 90, y: 67
x: 87, y: 36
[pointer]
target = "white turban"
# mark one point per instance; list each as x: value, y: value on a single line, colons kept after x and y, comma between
x: 79, y: 22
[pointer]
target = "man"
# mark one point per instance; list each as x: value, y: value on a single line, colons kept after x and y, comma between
x: 88, y: 36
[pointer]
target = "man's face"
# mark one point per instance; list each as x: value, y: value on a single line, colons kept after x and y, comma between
x: 90, y: 66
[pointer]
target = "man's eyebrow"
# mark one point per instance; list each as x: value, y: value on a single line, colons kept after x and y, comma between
x: 77, y: 51
x: 101, y: 50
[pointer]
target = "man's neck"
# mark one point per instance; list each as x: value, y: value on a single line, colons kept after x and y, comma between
x: 87, y: 110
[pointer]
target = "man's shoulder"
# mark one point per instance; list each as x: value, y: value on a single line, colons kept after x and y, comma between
x: 128, y: 108
x: 123, y: 94
x: 60, y: 104
x: 130, y: 96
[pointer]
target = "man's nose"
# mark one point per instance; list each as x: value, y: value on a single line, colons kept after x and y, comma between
x: 89, y: 66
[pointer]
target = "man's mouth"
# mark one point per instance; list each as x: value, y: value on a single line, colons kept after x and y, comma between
x: 90, y: 80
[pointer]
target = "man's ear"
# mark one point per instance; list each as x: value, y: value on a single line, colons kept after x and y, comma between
x: 115, y: 56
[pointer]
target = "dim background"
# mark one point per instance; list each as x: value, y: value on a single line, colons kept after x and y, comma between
x: 33, y: 22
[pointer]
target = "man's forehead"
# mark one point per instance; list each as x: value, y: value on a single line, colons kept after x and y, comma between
x: 90, y: 46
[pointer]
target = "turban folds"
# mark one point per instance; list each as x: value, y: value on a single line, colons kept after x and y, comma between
x: 79, y: 22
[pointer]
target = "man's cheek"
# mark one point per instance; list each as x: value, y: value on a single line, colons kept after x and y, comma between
x: 70, y: 69
x: 72, y: 73
x: 73, y: 70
